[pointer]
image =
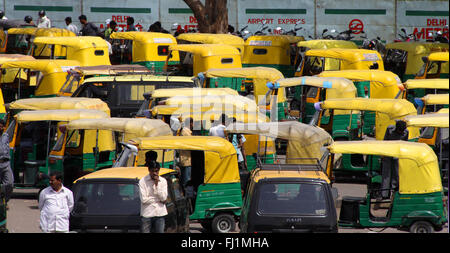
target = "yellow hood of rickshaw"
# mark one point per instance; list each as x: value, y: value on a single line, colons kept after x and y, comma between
x: 433, y: 83
x: 383, y: 84
x: 428, y: 120
x: 131, y: 127
x: 190, y: 92
x: 324, y: 44
x: 220, y: 155
x: 56, y: 103
x: 440, y: 56
x: 122, y: 173
x: 436, y: 99
x: 59, y: 115
x: 418, y: 166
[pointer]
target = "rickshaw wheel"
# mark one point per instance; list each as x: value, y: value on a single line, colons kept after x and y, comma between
x: 223, y: 223
x: 421, y: 227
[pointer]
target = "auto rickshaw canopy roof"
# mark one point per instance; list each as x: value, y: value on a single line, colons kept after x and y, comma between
x: 43, y: 32
x: 383, y: 84
x: 60, y: 115
x: 209, y: 116
x: 121, y: 69
x: 274, y: 174
x: 46, y: 66
x: 122, y: 173
x: 260, y: 76
x: 58, y: 103
x: 145, y: 37
x: 212, y: 38
x: 206, y: 50
x: 215, y: 101
x: 439, y: 56
x: 304, y: 141
x: 428, y: 120
x: 346, y: 54
x: 177, y: 110
x: 324, y: 44
x: 436, y: 99
x: 418, y: 166
x: 220, y: 155
x: 443, y: 110
x: 269, y: 41
x: 78, y: 42
x: 132, y: 127
x: 14, y: 57
x: 338, y: 87
x: 165, y: 93
x: 395, y: 108
x: 432, y: 83
x: 138, y: 78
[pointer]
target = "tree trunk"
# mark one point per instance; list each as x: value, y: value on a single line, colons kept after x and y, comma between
x: 211, y: 17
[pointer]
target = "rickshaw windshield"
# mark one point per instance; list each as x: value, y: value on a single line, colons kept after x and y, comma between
x: 112, y: 198
x: 292, y: 198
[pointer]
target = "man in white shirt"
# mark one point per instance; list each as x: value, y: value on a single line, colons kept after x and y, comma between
x: 43, y: 21
x: 218, y: 130
x: 70, y: 26
x: 153, y: 195
x: 55, y: 204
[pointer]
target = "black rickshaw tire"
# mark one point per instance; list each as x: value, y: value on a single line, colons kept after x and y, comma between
x: 421, y: 227
x: 223, y: 223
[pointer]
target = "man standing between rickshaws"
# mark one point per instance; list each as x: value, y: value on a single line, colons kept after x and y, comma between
x: 153, y: 195
x: 43, y: 21
x: 389, y: 165
x: 6, y: 174
x: 55, y: 204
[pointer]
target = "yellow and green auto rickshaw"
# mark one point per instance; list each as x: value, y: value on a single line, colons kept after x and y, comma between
x: 274, y: 51
x: 196, y: 58
x: 303, y: 46
x: 370, y: 83
x: 22, y: 40
x: 149, y: 49
x: 8, y: 75
x: 304, y: 92
x: 431, y: 103
x: 414, y: 88
x: 76, y: 76
x: 387, y: 111
x: 435, y: 66
x: 212, y: 38
x: 435, y: 134
x: 318, y: 60
x: 215, y: 181
x: 8, y: 43
x: 405, y: 58
x: 87, y: 50
x: 91, y: 144
x: 250, y: 82
x: 417, y: 203
x: 33, y: 133
x: 43, y: 78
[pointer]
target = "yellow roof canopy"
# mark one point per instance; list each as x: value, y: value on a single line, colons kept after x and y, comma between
x: 418, y: 166
x: 137, y: 127
x: 164, y: 93
x: 56, y: 103
x: 436, y: 99
x: 428, y: 120
x: 212, y: 38
x: 60, y: 115
x: 439, y: 56
x: 122, y: 173
x: 324, y: 44
x: 433, y: 83
x: 206, y: 50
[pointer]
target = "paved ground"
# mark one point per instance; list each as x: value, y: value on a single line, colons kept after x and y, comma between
x: 23, y: 213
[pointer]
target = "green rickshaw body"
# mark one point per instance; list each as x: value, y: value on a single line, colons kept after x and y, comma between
x: 418, y: 201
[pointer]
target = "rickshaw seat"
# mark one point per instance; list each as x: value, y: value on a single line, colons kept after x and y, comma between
x: 352, y: 199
